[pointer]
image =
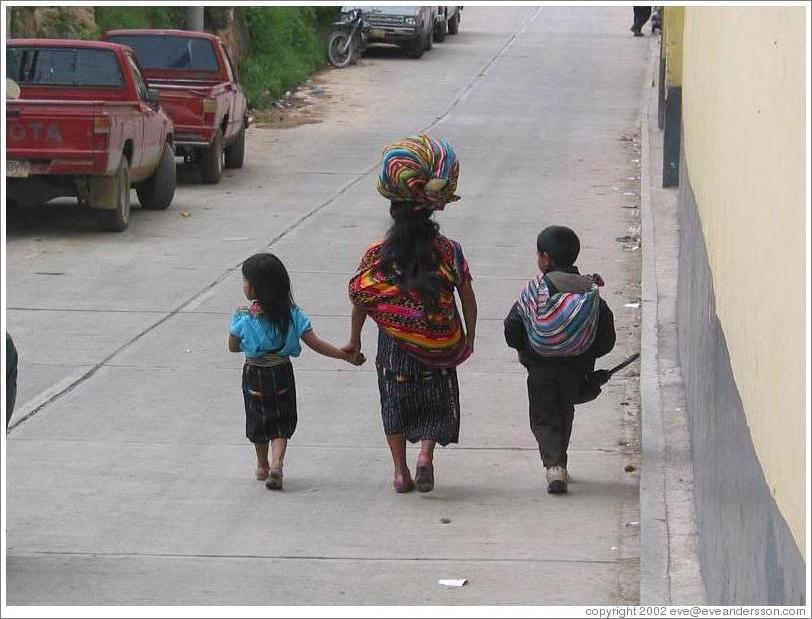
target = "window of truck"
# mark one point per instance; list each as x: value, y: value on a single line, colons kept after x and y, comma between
x: 170, y: 52
x: 140, y: 84
x: 229, y: 67
x: 63, y: 66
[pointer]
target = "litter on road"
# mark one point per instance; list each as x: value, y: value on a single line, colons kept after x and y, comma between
x: 453, y: 582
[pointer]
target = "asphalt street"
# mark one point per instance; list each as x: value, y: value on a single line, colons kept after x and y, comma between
x: 129, y: 478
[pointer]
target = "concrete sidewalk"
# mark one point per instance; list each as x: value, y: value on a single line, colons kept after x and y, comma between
x: 669, y: 559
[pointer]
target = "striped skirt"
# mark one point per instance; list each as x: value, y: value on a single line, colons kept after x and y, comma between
x: 417, y: 400
x: 270, y: 402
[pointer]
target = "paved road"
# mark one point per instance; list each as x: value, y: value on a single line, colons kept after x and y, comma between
x: 129, y: 480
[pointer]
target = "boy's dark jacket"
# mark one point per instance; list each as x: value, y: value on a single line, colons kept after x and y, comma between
x: 566, y: 279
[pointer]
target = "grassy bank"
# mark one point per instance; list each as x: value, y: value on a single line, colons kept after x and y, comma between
x: 109, y: 17
x: 287, y: 44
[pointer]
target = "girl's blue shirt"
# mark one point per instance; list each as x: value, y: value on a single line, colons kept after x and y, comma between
x: 259, y: 336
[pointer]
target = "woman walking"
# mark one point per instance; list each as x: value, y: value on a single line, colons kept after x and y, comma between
x: 406, y: 284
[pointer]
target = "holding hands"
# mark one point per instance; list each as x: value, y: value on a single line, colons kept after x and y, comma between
x: 353, y: 353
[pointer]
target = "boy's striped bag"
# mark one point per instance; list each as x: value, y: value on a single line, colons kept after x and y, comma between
x: 559, y: 325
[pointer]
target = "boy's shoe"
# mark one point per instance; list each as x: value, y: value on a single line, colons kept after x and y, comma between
x: 557, y: 479
x: 274, y: 479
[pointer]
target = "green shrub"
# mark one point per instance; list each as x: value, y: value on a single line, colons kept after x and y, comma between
x: 287, y: 44
x: 110, y: 17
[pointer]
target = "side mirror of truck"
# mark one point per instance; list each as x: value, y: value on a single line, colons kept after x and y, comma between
x: 153, y: 97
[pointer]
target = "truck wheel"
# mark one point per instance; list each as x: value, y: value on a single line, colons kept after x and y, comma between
x: 440, y: 30
x: 235, y: 154
x: 159, y: 189
x: 211, y: 161
x: 454, y: 24
x: 415, y: 49
x: 116, y: 219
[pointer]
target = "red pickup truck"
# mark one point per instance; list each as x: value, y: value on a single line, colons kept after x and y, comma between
x: 200, y: 92
x: 85, y: 125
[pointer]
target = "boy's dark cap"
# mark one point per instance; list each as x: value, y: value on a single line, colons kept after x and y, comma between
x: 560, y: 243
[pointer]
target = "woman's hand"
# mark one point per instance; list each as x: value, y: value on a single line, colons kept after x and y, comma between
x: 595, y: 277
x: 353, y: 353
x: 355, y: 358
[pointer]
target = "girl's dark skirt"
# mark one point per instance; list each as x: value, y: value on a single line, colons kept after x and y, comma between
x: 417, y: 400
x: 270, y: 402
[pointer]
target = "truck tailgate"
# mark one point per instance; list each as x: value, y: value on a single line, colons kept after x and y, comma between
x: 57, y: 137
x: 192, y: 107
x: 50, y: 129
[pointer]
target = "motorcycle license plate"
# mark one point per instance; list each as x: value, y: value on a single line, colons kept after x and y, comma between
x: 17, y: 169
x: 377, y: 33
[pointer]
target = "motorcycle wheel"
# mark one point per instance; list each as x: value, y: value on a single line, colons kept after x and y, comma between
x: 338, y: 41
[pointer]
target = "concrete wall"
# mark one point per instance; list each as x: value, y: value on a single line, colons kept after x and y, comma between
x: 743, y: 279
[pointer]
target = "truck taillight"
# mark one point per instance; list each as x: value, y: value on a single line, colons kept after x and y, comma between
x: 101, y: 124
x: 101, y: 132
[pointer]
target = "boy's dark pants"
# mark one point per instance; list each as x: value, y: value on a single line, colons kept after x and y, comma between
x: 552, y: 391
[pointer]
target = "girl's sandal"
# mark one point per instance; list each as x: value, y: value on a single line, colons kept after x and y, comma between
x: 274, y: 479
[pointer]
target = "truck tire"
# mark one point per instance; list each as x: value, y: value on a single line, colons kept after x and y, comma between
x: 440, y: 30
x: 211, y: 160
x: 235, y: 153
x: 454, y: 23
x: 415, y: 49
x: 117, y: 219
x: 158, y: 190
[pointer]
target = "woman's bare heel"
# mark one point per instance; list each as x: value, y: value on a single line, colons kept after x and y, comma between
x: 274, y: 479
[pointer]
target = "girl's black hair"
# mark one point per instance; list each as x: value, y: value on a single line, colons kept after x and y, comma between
x: 408, y: 253
x: 271, y: 283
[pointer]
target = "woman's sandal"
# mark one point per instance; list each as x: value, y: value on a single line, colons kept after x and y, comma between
x: 403, y: 483
x: 274, y: 479
x: 261, y: 474
x: 424, y: 477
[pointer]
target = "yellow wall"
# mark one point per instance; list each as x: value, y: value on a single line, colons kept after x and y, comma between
x: 744, y: 130
x: 673, y: 19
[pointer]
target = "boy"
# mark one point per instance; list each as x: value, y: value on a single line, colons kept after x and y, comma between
x: 557, y: 369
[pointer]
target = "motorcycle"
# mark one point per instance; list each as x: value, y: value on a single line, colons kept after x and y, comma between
x: 348, y: 39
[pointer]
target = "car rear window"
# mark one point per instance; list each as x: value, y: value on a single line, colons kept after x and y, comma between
x: 63, y: 66
x: 170, y: 52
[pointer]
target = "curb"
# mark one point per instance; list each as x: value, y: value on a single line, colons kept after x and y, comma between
x: 654, y: 579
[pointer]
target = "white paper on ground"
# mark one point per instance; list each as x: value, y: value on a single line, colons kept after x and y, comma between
x: 453, y: 582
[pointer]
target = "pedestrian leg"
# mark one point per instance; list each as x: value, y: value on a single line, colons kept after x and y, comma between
x: 262, y: 461
x: 546, y: 420
x: 397, y: 447
x: 424, y: 472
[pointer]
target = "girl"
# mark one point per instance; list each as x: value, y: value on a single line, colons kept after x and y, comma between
x: 268, y: 332
x: 406, y: 284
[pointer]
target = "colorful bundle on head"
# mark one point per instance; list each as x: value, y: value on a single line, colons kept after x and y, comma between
x: 559, y: 325
x: 419, y: 169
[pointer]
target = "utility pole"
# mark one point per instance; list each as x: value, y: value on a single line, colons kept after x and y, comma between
x: 194, y: 18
